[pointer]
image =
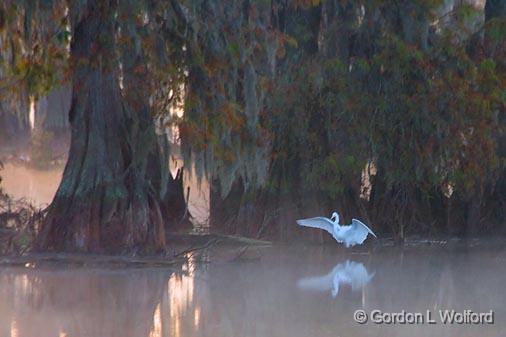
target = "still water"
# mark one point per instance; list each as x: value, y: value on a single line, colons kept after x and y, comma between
x: 38, y: 186
x: 274, y: 291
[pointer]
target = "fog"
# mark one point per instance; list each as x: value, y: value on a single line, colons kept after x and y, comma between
x: 284, y: 290
x: 259, y: 295
x: 38, y: 186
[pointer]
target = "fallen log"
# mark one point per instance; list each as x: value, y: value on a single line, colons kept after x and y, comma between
x: 31, y: 260
x: 199, y: 239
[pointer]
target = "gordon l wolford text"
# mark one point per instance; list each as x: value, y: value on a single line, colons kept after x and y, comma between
x: 443, y: 316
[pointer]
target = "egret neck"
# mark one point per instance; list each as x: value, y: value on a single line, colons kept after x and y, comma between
x: 335, y: 220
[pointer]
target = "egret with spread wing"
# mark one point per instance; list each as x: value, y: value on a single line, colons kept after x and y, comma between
x: 350, y: 235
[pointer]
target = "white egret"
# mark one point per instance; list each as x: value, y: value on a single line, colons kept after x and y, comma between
x: 350, y: 235
x: 352, y: 273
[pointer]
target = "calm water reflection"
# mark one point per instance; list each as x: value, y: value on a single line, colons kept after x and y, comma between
x: 260, y: 297
x: 349, y: 273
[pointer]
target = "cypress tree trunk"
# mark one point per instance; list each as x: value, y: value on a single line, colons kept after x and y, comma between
x: 108, y: 198
x: 58, y: 105
x: 495, y: 42
x: 224, y: 211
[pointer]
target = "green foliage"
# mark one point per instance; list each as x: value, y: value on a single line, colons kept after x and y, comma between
x: 426, y: 118
x: 230, y: 72
x: 300, y: 97
x: 496, y: 29
x: 34, y: 40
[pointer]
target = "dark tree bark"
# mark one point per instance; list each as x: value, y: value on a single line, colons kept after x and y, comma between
x: 223, y: 212
x: 137, y: 87
x: 496, y: 48
x: 495, y: 9
x: 495, y: 43
x: 57, y: 104
x: 109, y: 198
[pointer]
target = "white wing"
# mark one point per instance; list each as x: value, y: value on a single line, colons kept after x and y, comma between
x: 357, y: 233
x: 356, y: 274
x: 318, y: 222
x: 321, y: 283
x: 358, y: 223
x: 353, y: 273
x: 324, y: 282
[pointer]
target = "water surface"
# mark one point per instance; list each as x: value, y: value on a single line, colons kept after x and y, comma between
x: 263, y: 293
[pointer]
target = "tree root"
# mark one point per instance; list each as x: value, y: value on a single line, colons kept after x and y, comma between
x: 19, y: 221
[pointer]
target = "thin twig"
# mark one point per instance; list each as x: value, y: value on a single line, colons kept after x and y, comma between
x: 193, y: 249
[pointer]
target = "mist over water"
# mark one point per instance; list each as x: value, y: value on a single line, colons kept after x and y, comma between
x: 259, y: 296
x: 35, y: 185
x: 391, y: 112
x: 277, y: 291
x: 38, y: 186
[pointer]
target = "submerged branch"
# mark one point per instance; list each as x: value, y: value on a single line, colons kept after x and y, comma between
x: 86, y: 259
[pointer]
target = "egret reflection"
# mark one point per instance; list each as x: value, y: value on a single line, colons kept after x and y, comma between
x: 347, y: 273
x: 253, y: 299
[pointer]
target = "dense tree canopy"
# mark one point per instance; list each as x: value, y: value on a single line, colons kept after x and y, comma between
x: 391, y: 110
